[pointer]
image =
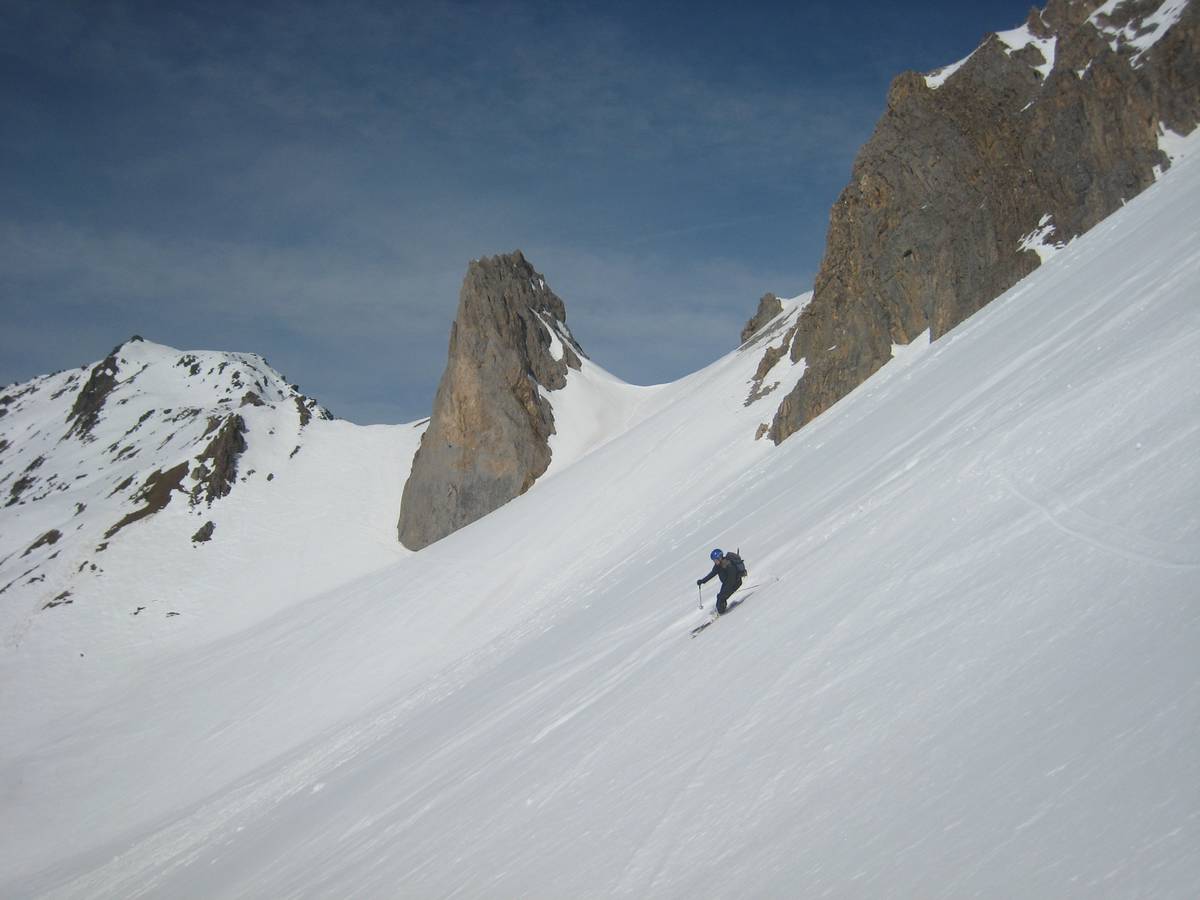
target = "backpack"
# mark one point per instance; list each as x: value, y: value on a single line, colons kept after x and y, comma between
x: 739, y: 565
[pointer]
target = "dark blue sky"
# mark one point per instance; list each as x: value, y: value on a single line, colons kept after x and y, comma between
x: 308, y: 180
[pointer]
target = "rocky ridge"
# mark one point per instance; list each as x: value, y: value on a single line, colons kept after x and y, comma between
x: 977, y: 172
x: 488, y: 437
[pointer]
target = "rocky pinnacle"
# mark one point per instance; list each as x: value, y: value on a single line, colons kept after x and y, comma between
x: 488, y: 438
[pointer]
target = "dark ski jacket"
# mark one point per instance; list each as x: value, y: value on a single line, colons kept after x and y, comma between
x: 724, y: 569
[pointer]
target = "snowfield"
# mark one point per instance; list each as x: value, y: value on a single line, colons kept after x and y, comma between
x: 967, y: 662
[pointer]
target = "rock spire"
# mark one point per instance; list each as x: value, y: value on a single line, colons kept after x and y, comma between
x: 488, y: 438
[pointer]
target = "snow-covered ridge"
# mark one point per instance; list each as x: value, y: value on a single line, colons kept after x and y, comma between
x: 150, y: 455
x: 144, y: 408
x: 596, y: 407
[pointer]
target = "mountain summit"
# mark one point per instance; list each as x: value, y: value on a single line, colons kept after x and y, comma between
x: 159, y: 483
x: 488, y: 437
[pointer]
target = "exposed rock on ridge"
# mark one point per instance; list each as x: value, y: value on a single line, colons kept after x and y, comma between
x: 488, y: 438
x: 90, y: 400
x: 216, y: 467
x: 1043, y: 130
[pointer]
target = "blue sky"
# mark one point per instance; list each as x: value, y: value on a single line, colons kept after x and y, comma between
x: 309, y: 180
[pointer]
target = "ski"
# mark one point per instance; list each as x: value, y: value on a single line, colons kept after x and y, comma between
x: 712, y: 617
x: 746, y: 593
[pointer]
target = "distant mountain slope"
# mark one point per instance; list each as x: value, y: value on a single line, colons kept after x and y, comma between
x: 965, y: 665
x: 155, y: 481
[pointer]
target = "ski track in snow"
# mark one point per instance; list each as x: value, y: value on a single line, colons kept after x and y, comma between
x: 1109, y: 538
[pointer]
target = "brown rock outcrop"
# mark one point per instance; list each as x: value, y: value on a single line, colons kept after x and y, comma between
x: 216, y: 467
x: 956, y: 175
x: 768, y: 308
x: 85, y: 411
x: 488, y: 438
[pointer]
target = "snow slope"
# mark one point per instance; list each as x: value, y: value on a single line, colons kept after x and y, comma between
x: 966, y: 663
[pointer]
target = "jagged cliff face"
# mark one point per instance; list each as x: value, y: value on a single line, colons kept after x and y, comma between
x: 1033, y: 139
x: 488, y: 438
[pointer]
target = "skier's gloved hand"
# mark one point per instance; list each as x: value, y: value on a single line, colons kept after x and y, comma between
x: 699, y: 581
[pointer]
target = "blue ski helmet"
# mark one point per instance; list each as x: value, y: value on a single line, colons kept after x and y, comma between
x: 715, y: 555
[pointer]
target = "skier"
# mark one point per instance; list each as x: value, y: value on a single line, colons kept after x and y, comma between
x: 730, y: 569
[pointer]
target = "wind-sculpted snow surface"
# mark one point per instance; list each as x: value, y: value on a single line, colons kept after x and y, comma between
x: 969, y: 669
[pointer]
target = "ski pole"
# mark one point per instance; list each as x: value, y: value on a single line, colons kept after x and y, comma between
x: 700, y: 594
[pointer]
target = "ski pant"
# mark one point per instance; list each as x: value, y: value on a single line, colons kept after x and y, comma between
x: 727, y: 590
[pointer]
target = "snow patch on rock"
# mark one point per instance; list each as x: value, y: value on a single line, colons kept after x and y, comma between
x: 1018, y: 39
x: 1140, y: 34
x: 1041, y: 241
x: 938, y: 77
